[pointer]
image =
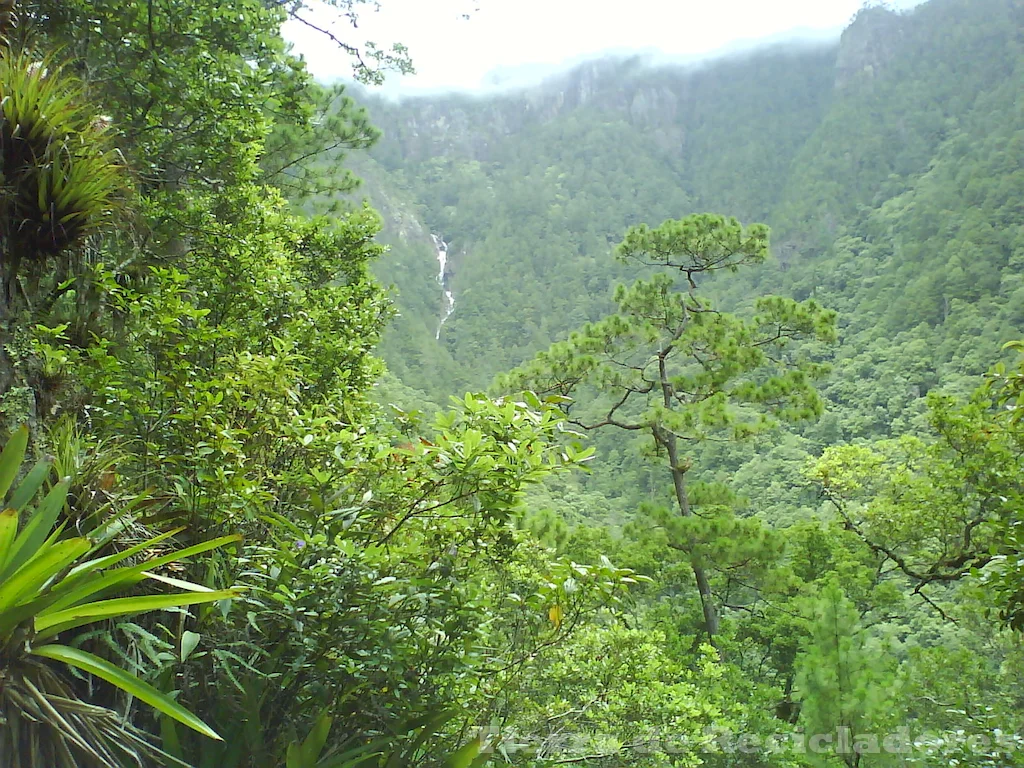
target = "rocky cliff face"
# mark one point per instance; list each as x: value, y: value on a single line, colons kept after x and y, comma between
x: 868, y: 45
x: 668, y: 101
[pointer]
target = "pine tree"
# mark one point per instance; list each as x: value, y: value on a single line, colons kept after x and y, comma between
x: 844, y: 680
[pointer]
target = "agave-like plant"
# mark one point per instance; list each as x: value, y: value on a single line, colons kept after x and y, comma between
x: 8, y: 19
x: 51, y: 585
x: 60, y: 178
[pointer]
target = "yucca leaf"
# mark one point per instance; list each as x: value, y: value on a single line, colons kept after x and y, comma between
x: 83, y: 580
x: 36, y: 572
x: 195, y: 549
x: 11, y: 458
x: 28, y: 487
x: 81, y: 587
x: 50, y: 623
x: 37, y: 529
x: 24, y: 611
x: 127, y: 682
x: 8, y: 530
x: 188, y: 586
x: 106, y: 561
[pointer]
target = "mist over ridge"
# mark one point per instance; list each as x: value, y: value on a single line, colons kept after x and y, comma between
x: 530, y: 74
x: 516, y: 79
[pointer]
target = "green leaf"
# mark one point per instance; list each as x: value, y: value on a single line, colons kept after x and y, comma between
x: 127, y: 682
x: 186, y: 586
x: 48, y: 563
x: 314, y: 742
x: 127, y: 576
x: 189, y: 642
x: 29, y: 485
x: 8, y: 530
x: 49, y: 624
x: 196, y: 549
x: 37, y: 529
x: 531, y: 400
x: 88, y: 567
x: 353, y: 758
x: 425, y: 728
x: 11, y: 458
x: 467, y: 756
x: 116, y: 525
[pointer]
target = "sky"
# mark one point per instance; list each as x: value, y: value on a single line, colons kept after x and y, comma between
x: 451, y: 52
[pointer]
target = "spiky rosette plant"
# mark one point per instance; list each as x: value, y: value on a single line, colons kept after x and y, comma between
x: 8, y: 19
x: 52, y: 585
x: 60, y: 178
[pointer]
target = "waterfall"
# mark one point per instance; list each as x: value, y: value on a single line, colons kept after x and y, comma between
x: 447, y: 297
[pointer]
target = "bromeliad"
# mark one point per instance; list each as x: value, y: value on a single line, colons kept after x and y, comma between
x: 53, y: 583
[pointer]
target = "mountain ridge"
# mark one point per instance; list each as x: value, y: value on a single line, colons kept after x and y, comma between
x: 824, y: 144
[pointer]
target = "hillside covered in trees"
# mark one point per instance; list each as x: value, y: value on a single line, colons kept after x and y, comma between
x: 689, y: 431
x: 887, y: 165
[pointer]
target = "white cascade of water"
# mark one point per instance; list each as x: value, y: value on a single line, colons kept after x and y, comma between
x: 448, y: 304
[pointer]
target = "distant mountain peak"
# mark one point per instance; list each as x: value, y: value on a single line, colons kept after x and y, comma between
x: 868, y: 44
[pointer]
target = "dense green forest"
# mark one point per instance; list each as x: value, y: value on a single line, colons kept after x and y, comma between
x: 888, y: 165
x: 649, y: 416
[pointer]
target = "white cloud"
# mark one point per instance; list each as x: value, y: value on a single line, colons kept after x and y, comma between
x: 452, y: 52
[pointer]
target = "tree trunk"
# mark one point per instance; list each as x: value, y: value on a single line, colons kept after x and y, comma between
x: 707, y: 600
x: 671, y: 443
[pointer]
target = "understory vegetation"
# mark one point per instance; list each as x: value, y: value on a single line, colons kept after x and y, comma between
x: 666, y: 488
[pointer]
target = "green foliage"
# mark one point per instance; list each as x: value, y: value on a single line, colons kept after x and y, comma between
x: 696, y: 245
x: 669, y: 365
x: 613, y: 693
x: 886, y: 165
x: 936, y: 510
x: 845, y: 678
x: 412, y: 580
x: 958, y: 689
x: 328, y: 125
x: 60, y: 178
x: 1006, y: 576
x: 61, y: 182
x: 52, y: 584
x: 307, y: 753
x: 879, y: 169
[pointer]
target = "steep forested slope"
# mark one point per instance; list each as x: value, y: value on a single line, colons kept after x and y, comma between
x: 888, y: 164
x: 219, y: 549
x: 890, y: 167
